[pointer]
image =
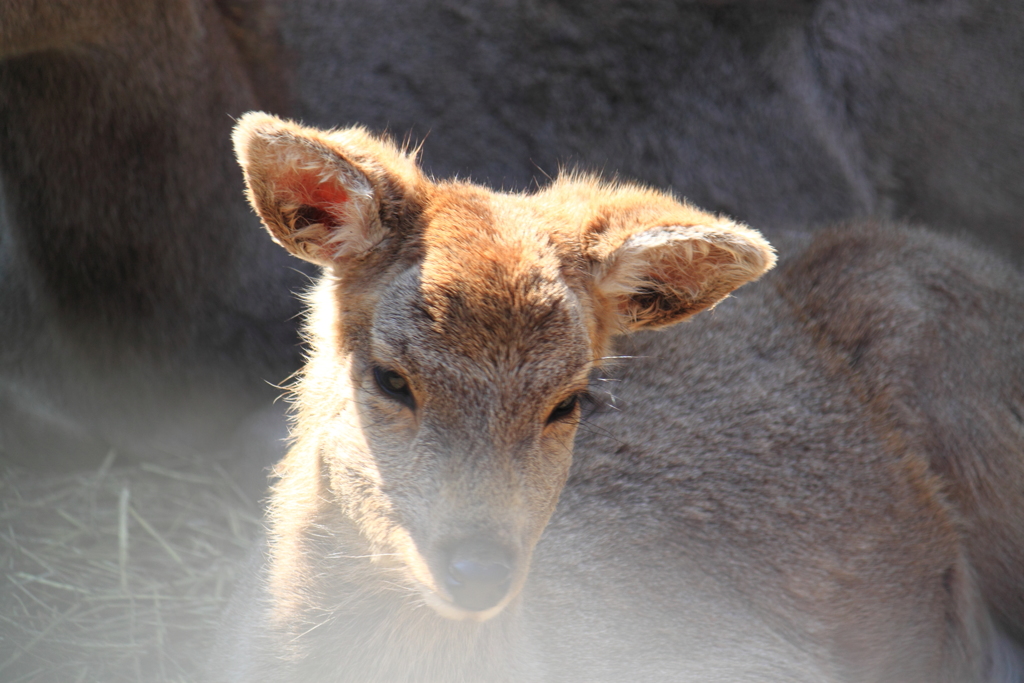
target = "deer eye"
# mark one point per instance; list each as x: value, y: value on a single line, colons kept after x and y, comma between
x: 564, y: 409
x: 394, y: 386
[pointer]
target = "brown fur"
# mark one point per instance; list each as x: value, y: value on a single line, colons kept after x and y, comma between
x: 756, y: 503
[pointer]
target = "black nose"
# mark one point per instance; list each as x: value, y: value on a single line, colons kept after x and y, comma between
x: 479, y: 574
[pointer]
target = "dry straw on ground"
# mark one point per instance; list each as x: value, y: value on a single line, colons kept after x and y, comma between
x: 118, y: 574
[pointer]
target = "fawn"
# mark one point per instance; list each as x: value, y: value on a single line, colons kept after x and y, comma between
x: 752, y: 507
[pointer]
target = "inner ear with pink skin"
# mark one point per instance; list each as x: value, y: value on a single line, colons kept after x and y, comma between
x: 319, y: 200
x: 317, y: 192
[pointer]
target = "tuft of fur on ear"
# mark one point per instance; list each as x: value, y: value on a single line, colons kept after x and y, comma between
x: 318, y: 193
x: 664, y: 274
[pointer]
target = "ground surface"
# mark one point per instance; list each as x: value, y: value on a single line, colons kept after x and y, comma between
x: 118, y: 574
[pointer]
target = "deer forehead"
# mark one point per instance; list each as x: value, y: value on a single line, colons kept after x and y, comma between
x: 488, y: 312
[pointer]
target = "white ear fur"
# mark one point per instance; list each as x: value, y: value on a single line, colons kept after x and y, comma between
x: 315, y: 202
x: 665, y: 274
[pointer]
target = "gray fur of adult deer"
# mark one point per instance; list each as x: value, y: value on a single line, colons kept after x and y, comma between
x: 820, y: 480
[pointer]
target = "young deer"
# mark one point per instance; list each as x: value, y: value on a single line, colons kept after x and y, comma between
x: 743, y: 512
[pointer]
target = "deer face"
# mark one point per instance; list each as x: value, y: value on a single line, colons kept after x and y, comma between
x: 453, y: 334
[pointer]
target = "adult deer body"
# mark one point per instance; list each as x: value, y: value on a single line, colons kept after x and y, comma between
x: 758, y: 504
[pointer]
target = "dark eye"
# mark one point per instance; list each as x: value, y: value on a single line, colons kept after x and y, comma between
x: 394, y: 386
x: 564, y: 409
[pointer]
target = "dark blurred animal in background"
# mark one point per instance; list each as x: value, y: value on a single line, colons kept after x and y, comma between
x: 139, y: 310
x: 821, y: 481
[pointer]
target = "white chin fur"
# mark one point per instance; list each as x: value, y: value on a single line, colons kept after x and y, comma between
x: 456, y: 613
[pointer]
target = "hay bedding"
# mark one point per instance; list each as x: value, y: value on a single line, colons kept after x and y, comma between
x: 118, y: 574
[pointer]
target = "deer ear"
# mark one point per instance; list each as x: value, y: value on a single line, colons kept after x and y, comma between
x: 662, y: 275
x: 318, y: 193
